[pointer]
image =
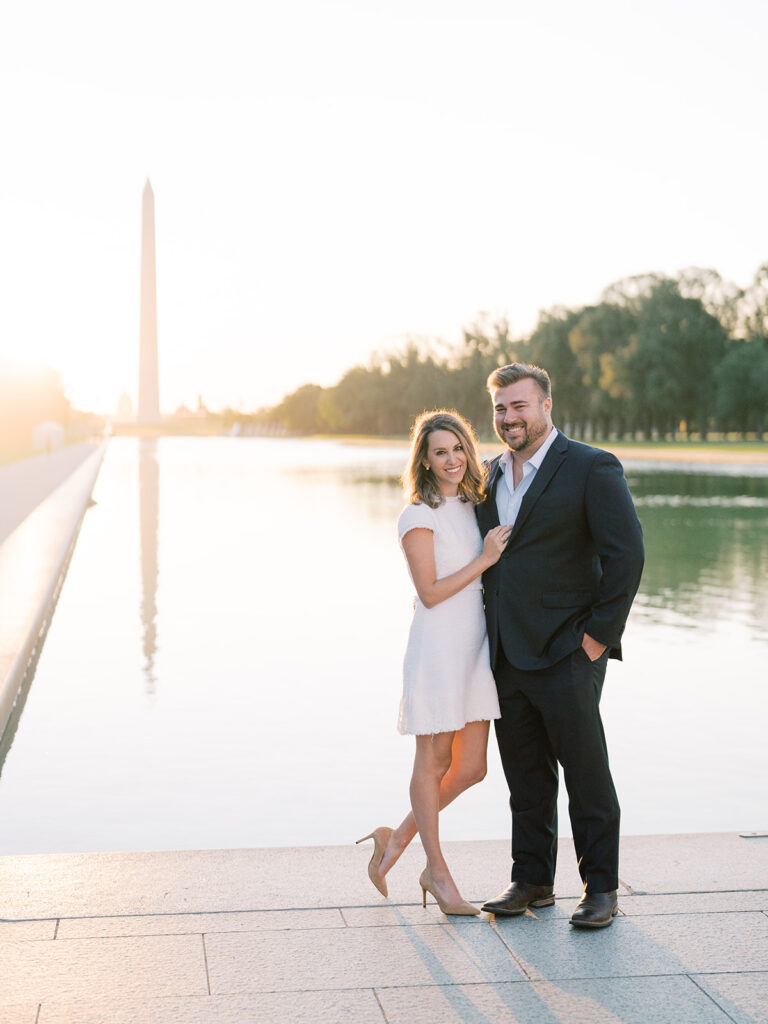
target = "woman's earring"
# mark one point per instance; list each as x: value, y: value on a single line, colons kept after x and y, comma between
x: 428, y: 469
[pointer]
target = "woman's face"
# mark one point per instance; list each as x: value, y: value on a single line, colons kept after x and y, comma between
x: 447, y: 460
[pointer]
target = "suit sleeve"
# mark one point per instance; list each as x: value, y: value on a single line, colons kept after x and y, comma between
x: 618, y: 539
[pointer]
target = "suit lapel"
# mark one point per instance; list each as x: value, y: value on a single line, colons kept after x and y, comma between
x: 553, y: 460
x: 488, y: 510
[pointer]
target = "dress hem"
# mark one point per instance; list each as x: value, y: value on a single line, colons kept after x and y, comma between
x: 454, y: 728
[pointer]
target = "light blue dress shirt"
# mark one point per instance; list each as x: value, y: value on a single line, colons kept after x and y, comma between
x: 508, y: 497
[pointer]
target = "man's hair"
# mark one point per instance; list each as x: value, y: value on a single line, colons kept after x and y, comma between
x: 511, y: 374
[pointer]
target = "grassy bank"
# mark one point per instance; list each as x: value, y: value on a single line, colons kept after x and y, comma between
x: 490, y: 440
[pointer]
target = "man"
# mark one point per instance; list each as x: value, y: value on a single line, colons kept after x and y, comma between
x: 556, y: 604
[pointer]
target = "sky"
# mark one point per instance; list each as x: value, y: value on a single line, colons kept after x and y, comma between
x: 332, y: 178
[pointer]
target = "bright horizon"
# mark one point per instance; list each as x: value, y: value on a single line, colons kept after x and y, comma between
x: 332, y: 179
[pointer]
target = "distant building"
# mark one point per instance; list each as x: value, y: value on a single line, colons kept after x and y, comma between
x: 124, y: 412
x: 183, y: 412
x: 48, y: 436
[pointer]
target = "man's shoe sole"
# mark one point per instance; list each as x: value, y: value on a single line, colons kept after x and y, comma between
x: 595, y: 924
x: 547, y: 901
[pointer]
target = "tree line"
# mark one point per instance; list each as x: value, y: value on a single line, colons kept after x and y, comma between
x: 28, y: 397
x: 656, y: 357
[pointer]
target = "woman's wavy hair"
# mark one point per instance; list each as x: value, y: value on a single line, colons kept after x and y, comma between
x: 419, y: 483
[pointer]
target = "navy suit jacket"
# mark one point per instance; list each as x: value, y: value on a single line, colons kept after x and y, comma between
x: 573, y: 562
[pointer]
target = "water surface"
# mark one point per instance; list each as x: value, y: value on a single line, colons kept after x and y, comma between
x: 223, y: 667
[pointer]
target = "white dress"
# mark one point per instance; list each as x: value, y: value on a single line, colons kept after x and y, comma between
x: 447, y: 678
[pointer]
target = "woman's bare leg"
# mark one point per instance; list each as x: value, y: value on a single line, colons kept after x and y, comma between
x: 467, y: 767
x: 430, y: 766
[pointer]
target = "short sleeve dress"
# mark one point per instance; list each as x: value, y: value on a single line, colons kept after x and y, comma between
x: 447, y: 678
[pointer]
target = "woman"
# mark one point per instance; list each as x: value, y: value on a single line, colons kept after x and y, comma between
x: 449, y: 695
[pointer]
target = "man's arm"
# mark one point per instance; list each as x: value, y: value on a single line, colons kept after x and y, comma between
x: 618, y: 538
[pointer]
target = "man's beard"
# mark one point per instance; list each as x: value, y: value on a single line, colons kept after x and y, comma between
x: 531, y: 433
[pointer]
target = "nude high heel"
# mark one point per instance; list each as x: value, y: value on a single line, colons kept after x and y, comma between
x: 427, y: 884
x: 380, y: 837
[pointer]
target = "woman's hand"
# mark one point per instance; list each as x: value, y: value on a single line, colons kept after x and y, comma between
x: 419, y: 548
x: 495, y: 542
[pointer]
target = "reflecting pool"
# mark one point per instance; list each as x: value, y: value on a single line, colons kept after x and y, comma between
x: 223, y: 667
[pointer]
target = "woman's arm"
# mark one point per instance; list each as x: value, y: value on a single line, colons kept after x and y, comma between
x: 419, y: 548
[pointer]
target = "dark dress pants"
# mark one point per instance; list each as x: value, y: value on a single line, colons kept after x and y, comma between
x: 548, y: 716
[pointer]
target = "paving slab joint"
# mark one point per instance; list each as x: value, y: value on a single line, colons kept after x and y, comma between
x: 378, y: 1001
x: 709, y: 996
x: 205, y: 961
x: 520, y: 963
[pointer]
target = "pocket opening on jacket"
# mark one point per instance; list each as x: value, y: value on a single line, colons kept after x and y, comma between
x: 567, y: 598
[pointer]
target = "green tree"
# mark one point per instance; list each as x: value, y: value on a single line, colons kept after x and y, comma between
x: 29, y: 397
x: 722, y: 299
x: 650, y: 356
x: 484, y: 346
x: 631, y: 291
x: 598, y: 339
x: 413, y: 380
x: 755, y: 306
x: 670, y: 360
x: 300, y: 410
x: 679, y: 346
x: 355, y: 404
x: 549, y: 347
x: 741, y: 401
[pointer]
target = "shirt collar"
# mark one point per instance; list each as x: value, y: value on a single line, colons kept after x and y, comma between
x: 536, y: 459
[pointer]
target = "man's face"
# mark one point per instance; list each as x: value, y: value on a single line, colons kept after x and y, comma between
x: 522, y: 415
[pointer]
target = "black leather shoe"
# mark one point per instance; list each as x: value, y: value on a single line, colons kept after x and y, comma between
x: 596, y: 910
x: 519, y: 895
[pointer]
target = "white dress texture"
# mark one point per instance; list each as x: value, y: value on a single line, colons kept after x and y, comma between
x: 447, y: 678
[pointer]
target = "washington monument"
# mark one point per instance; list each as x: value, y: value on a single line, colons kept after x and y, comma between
x: 149, y: 402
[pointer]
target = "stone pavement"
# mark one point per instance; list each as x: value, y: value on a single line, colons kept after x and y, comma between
x: 24, y: 484
x: 300, y: 935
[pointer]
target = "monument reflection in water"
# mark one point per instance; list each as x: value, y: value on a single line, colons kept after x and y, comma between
x: 247, y: 696
x: 149, y: 491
